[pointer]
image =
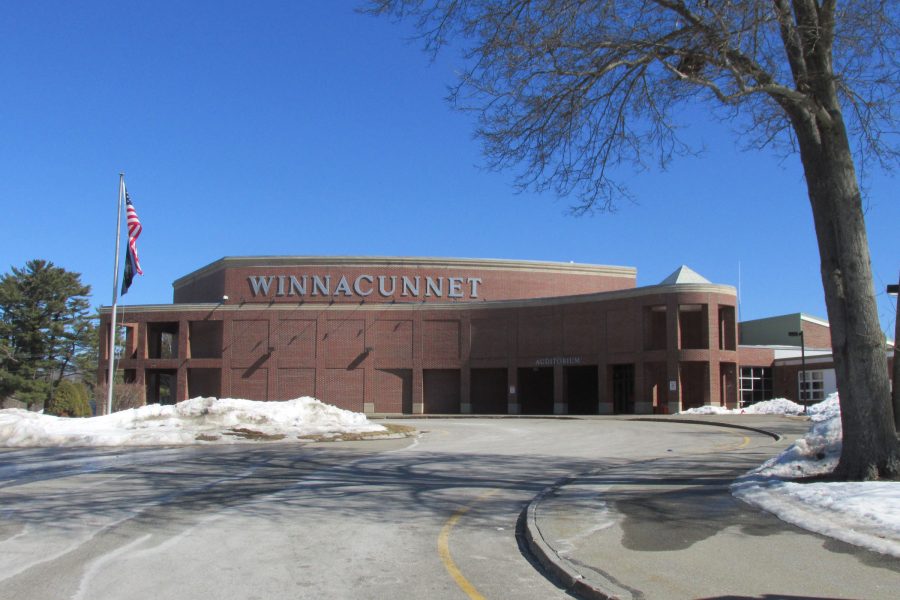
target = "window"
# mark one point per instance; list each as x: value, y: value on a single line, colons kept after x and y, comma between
x: 813, y: 390
x: 162, y: 340
x: 756, y: 385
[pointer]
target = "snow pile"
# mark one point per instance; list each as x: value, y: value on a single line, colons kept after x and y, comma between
x: 862, y: 513
x: 827, y: 409
x: 197, y: 420
x: 816, y: 453
x: 778, y: 406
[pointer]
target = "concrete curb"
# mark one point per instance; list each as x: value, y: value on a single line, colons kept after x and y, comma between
x: 711, y: 423
x: 565, y: 571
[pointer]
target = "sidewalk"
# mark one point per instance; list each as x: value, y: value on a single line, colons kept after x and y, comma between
x: 670, y: 528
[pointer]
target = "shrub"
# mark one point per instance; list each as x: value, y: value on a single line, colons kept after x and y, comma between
x: 69, y: 399
x: 125, y: 396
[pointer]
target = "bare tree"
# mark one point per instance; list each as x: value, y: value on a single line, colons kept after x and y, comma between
x: 570, y: 90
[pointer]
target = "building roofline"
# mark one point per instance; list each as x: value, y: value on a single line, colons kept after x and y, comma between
x: 465, y: 305
x: 800, y: 316
x: 816, y: 320
x: 403, y: 261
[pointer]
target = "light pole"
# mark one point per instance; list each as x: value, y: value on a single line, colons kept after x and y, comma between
x: 892, y: 291
x: 802, y: 366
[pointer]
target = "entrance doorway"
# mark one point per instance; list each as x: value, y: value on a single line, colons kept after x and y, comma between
x: 581, y: 390
x: 488, y: 391
x: 440, y: 391
x: 623, y: 389
x: 161, y: 386
x: 536, y: 390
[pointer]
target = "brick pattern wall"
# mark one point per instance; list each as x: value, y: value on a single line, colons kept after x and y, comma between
x: 440, y: 339
x: 352, y: 356
x: 250, y: 337
x: 393, y: 339
x: 384, y: 283
x: 296, y: 337
x: 490, y: 338
x: 580, y: 331
x: 755, y: 357
x: 540, y: 334
x: 250, y: 383
x: 344, y: 338
x: 345, y: 388
x: 392, y: 390
x: 294, y: 382
x: 620, y: 330
x: 816, y: 336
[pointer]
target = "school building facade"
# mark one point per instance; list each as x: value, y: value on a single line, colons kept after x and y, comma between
x: 444, y: 336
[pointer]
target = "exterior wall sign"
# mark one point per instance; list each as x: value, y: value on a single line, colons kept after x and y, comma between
x: 558, y: 360
x: 385, y: 286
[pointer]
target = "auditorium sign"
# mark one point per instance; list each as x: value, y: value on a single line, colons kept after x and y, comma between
x: 361, y: 286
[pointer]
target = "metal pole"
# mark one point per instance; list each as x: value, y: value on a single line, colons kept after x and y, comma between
x: 112, y: 321
x: 803, y: 371
x: 893, y: 290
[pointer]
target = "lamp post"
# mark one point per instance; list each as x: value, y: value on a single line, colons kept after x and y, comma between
x: 802, y: 366
x: 892, y: 291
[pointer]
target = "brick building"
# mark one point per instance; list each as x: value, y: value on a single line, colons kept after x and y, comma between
x: 425, y: 335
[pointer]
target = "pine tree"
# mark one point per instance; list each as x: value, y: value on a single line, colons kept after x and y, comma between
x: 45, y: 329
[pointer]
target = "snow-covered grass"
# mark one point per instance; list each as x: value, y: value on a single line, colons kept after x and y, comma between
x: 199, y: 420
x: 862, y: 513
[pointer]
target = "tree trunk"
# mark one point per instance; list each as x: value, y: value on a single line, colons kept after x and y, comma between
x: 870, y: 446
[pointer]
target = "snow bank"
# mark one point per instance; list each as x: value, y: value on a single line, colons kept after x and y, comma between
x: 862, y: 513
x: 778, y: 406
x: 199, y: 420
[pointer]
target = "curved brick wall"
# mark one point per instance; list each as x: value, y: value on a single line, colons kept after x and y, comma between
x: 393, y: 280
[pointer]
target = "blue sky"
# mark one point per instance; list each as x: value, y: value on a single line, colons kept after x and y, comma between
x: 304, y: 128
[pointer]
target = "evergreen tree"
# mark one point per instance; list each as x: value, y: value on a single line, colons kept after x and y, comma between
x: 45, y: 329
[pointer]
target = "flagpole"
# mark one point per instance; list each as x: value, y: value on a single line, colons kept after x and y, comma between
x: 112, y: 320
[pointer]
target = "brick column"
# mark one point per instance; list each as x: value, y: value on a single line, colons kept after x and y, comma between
x: 368, y: 364
x: 418, y: 387
x: 605, y: 401
x: 673, y: 348
x: 465, y: 374
x: 713, y: 381
x: 181, y: 385
x: 465, y: 389
x: 560, y: 406
x: 512, y: 383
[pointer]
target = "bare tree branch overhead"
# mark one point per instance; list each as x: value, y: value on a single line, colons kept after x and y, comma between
x: 567, y: 92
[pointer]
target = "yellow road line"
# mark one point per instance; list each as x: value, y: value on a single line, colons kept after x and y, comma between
x: 729, y: 448
x: 444, y: 549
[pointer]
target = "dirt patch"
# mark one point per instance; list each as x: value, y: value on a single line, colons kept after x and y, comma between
x: 249, y: 434
x: 393, y: 431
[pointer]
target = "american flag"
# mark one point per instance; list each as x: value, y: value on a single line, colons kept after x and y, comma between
x: 132, y: 264
x: 134, y: 231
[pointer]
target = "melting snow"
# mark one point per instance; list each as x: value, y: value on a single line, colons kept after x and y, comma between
x: 199, y: 420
